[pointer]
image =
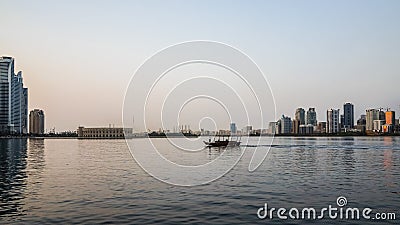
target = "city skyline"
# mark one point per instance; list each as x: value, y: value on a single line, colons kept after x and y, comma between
x: 347, y: 119
x: 85, y: 64
x: 334, y: 122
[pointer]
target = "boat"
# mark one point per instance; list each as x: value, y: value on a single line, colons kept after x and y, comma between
x: 227, y: 141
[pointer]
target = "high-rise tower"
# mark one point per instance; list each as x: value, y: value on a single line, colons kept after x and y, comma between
x: 13, y: 99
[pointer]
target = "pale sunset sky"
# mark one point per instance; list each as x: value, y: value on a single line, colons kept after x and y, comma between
x: 78, y: 57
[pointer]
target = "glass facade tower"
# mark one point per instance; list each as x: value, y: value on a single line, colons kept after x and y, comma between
x: 13, y: 99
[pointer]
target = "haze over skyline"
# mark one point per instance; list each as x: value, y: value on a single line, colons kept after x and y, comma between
x: 77, y: 58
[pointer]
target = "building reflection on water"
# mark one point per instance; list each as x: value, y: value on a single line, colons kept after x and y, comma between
x: 35, y: 156
x: 388, y: 162
x: 13, y: 154
x: 387, y: 153
x: 18, y: 162
x: 348, y: 155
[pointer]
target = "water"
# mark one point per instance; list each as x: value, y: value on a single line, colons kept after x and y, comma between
x: 97, y: 181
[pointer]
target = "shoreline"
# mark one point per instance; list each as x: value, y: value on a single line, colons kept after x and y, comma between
x: 161, y: 137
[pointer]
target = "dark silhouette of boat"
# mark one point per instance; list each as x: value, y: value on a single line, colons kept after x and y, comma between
x: 227, y: 141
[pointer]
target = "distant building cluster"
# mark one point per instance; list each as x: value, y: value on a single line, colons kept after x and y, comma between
x: 14, y: 117
x: 14, y: 103
x: 375, y: 121
x: 379, y: 121
x: 246, y: 130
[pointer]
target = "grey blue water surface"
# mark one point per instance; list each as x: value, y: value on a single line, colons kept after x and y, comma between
x: 97, y: 181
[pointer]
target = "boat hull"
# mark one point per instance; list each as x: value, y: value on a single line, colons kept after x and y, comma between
x: 222, y: 143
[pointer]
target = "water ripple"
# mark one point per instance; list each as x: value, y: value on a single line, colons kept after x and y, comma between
x: 96, y: 181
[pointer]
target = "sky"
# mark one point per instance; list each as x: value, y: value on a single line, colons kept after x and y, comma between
x: 78, y: 57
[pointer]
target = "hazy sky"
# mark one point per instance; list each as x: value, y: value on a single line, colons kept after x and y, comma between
x: 77, y: 57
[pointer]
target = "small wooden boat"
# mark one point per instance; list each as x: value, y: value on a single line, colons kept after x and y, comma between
x: 227, y: 142
x: 216, y: 143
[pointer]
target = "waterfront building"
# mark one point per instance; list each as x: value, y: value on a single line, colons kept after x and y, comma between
x: 264, y: 131
x: 286, y: 125
x: 371, y: 115
x: 259, y: 131
x: 224, y: 132
x: 387, y: 128
x: 390, y: 117
x: 378, y: 125
x: 185, y: 129
x: 278, y: 127
x: 13, y: 99
x: 311, y: 117
x: 296, y: 126
x: 306, y: 129
x: 382, y: 115
x: 332, y: 124
x: 321, y: 127
x: 272, y: 127
x: 233, y: 128
x: 36, y: 121
x: 360, y: 128
x: 341, y: 123
x: 300, y: 115
x: 247, y: 129
x: 103, y: 132
x: 348, y: 116
x: 362, y: 120
x: 390, y: 120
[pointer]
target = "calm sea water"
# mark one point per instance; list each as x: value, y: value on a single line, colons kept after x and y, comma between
x: 97, y: 181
